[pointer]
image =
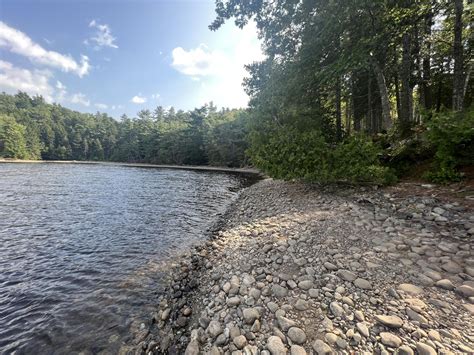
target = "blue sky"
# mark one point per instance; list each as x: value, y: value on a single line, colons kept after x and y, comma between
x: 123, y: 56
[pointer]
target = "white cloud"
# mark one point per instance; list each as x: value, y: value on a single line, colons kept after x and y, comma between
x: 33, y: 82
x: 61, y: 91
x: 101, y: 106
x: 19, y: 43
x: 220, y: 72
x: 197, y: 62
x: 137, y: 99
x: 103, y: 36
x: 80, y: 99
x: 155, y: 96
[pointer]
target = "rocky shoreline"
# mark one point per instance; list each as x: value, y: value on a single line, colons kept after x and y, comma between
x: 295, y: 269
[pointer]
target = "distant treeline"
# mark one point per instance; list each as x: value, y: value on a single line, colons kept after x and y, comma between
x: 31, y: 128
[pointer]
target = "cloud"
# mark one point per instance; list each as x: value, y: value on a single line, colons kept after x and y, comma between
x: 137, y: 99
x: 33, y: 82
x: 155, y: 96
x: 101, y: 106
x: 81, y: 99
x: 61, y: 91
x: 19, y: 43
x: 196, y: 62
x: 103, y: 36
x: 219, y: 72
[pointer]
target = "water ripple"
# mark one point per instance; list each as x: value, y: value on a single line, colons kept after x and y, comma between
x: 80, y: 248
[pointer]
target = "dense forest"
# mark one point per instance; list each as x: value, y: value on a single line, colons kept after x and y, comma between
x: 30, y: 128
x: 358, y: 91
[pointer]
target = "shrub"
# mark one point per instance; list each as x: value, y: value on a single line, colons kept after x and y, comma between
x: 291, y: 154
x: 451, y: 136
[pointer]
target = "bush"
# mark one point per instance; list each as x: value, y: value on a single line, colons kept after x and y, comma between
x: 451, y: 136
x: 291, y: 154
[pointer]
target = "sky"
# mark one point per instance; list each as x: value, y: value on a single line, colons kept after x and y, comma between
x: 122, y: 56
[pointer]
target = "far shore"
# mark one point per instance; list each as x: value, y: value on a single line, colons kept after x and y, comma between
x: 139, y: 165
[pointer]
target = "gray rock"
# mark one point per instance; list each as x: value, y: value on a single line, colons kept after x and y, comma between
x: 297, y: 335
x: 250, y: 315
x: 346, y: 275
x: 363, y: 284
x: 276, y: 346
x: 279, y: 291
x: 363, y: 329
x: 305, y: 285
x: 336, y: 309
x: 233, y: 301
x: 330, y: 266
x: 445, y: 284
x: 390, y: 339
x: 214, y: 329
x: 240, y: 341
x: 452, y: 267
x: 410, y: 289
x: 425, y: 349
x: 297, y: 350
x: 405, y: 350
x: 465, y: 290
x: 301, y: 305
x: 285, y: 323
x: 389, y: 321
x: 321, y: 348
x: 192, y: 348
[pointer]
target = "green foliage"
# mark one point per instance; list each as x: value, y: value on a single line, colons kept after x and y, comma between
x: 288, y: 154
x: 12, y: 139
x: 30, y: 128
x: 451, y: 136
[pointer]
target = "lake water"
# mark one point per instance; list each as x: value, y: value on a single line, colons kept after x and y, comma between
x: 82, y: 248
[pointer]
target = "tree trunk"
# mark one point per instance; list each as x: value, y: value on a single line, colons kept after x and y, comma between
x: 380, y: 77
x: 369, y: 122
x: 406, y: 91
x: 426, y: 82
x: 338, y: 110
x: 397, y: 93
x: 458, y: 78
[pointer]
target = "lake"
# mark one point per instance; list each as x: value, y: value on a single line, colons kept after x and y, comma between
x: 82, y: 248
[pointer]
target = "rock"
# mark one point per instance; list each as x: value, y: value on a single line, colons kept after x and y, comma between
x: 390, y: 339
x: 285, y: 323
x: 416, y: 316
x: 405, y: 350
x: 192, y: 348
x: 329, y: 266
x: 363, y: 284
x: 275, y: 346
x: 166, y: 313
x: 321, y: 348
x: 452, y: 267
x: 240, y: 341
x: 389, y: 321
x: 466, y: 291
x: 297, y: 335
x: 301, y: 305
x: 214, y: 329
x: 425, y: 349
x: 250, y: 315
x: 363, y: 329
x: 445, y: 284
x: 279, y: 291
x: 305, y: 285
x: 233, y: 301
x: 336, y: 309
x: 434, y: 335
x: 297, y: 350
x: 346, y: 275
x: 410, y: 289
